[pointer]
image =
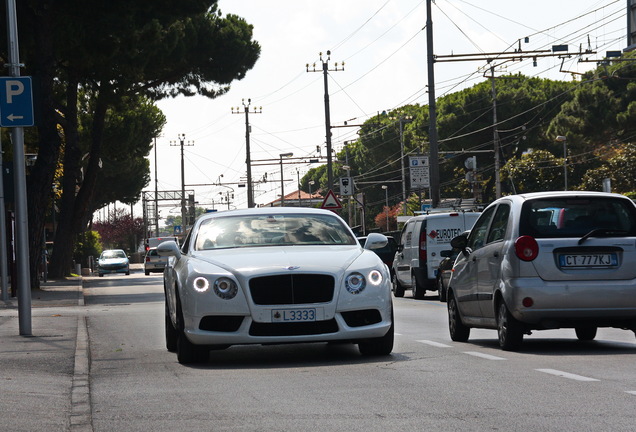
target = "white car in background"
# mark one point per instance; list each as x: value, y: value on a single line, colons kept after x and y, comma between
x: 275, y: 276
x: 113, y: 261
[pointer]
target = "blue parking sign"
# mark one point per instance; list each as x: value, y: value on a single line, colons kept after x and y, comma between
x: 16, y: 102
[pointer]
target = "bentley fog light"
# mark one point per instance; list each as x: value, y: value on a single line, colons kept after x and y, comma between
x: 201, y: 284
x: 355, y: 283
x: 375, y: 277
x: 225, y: 288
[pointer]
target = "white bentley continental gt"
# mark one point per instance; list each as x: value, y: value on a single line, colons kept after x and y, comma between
x: 274, y: 276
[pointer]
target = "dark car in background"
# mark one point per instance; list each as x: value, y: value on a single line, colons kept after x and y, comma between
x: 444, y: 272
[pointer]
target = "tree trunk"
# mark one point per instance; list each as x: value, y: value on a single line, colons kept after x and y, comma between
x: 76, y: 209
x: 64, y: 242
x: 40, y: 180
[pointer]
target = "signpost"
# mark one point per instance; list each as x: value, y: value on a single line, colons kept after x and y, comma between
x: 16, y: 102
x: 331, y: 202
x: 419, y: 172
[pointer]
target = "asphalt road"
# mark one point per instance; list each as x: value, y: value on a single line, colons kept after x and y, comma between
x: 428, y: 383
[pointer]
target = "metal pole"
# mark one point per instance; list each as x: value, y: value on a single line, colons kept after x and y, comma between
x: 386, y: 195
x: 403, y: 171
x: 183, y: 201
x: 248, y: 157
x: 432, y: 110
x: 565, y: 164
x: 298, y: 180
x: 325, y: 71
x: 4, y: 270
x: 156, y: 195
x: 282, y: 184
x: 19, y: 177
x: 495, y: 134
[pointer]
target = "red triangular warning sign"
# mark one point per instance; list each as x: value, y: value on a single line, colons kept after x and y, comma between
x: 331, y: 202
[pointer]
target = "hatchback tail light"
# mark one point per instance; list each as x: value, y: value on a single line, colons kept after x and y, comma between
x: 526, y: 248
x: 147, y: 259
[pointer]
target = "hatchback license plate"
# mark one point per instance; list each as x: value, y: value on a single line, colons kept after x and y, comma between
x: 294, y: 315
x: 588, y: 260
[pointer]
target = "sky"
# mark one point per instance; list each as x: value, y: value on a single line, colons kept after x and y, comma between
x: 383, y: 45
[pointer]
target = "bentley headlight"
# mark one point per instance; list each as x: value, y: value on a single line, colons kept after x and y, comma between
x: 201, y: 284
x: 355, y: 283
x: 225, y: 288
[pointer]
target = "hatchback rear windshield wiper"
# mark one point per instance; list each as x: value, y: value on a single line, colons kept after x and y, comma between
x: 601, y: 232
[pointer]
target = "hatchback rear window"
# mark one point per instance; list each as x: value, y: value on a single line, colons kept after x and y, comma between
x: 577, y: 216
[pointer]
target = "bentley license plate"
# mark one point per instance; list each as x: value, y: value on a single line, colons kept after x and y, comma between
x: 294, y: 315
x: 588, y: 260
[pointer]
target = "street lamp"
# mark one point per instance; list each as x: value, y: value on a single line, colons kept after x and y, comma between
x: 402, y: 120
x: 386, y: 195
x: 282, y: 185
x: 564, y: 140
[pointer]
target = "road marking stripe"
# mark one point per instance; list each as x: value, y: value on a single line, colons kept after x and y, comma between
x: 566, y: 375
x: 484, y: 356
x: 433, y: 343
x: 631, y: 392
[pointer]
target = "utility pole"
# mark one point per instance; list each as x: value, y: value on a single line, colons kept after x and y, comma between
x: 495, y: 134
x: 432, y: 111
x: 248, y: 158
x: 181, y: 142
x: 156, y: 194
x: 325, y: 71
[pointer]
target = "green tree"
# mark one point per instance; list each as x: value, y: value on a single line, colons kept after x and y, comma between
x: 534, y: 171
x: 619, y: 166
x: 87, y: 56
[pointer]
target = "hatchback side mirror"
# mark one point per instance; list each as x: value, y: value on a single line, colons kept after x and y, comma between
x: 460, y: 242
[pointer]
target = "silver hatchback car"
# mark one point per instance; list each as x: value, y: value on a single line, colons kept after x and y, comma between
x: 544, y: 261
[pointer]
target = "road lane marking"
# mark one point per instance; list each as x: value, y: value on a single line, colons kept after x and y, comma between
x: 484, y: 356
x: 433, y: 343
x: 631, y: 392
x: 566, y: 375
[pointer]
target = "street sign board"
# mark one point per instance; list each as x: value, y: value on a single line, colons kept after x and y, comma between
x: 331, y: 202
x: 16, y: 102
x: 346, y: 186
x: 419, y: 172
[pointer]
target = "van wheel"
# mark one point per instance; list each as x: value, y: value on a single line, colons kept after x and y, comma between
x: 585, y: 333
x: 396, y: 287
x: 417, y: 290
x: 459, y: 332
x: 509, y: 330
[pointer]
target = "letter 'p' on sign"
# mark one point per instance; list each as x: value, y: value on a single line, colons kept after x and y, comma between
x: 16, y: 102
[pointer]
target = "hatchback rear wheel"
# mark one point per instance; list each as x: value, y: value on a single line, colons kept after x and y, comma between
x: 509, y: 330
x: 459, y: 332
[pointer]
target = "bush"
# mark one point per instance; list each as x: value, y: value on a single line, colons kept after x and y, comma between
x: 88, y: 244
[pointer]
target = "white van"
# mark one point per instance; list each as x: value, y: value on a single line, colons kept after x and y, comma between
x: 421, y: 241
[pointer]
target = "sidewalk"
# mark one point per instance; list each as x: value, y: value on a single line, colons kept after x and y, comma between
x: 39, y: 373
x: 63, y: 292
